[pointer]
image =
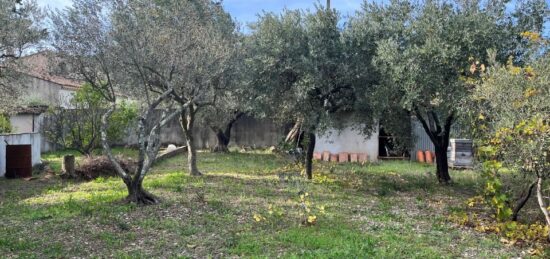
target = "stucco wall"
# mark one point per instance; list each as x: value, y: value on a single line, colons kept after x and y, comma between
x: 247, y: 131
x: 21, y: 123
x: 348, y: 140
x: 32, y: 139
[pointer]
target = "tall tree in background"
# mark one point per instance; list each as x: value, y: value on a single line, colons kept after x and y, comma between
x: 101, y: 41
x: 19, y: 32
x: 424, y: 54
x: 298, y: 70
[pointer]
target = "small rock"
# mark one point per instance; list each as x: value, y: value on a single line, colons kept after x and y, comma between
x: 171, y: 147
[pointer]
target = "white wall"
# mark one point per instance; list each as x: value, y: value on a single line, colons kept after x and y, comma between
x: 65, y: 98
x: 348, y: 140
x: 21, y: 123
x: 32, y: 139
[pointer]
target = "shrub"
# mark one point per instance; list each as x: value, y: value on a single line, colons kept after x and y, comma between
x: 5, y: 125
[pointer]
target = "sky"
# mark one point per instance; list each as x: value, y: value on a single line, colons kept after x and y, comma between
x: 245, y: 11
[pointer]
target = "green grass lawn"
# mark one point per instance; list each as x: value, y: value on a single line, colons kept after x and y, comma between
x: 386, y: 210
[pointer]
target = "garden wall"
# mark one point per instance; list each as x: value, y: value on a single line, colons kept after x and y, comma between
x: 246, y: 132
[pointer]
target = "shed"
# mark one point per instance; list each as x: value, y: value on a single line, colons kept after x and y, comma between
x: 19, y: 153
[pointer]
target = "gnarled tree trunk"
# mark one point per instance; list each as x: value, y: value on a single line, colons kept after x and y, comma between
x: 224, y: 136
x: 187, y: 122
x: 149, y: 145
x: 136, y: 193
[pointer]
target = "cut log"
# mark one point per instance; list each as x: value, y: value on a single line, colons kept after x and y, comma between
x: 68, y: 166
x: 170, y: 153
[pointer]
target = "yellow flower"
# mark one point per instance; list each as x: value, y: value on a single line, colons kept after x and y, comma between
x: 258, y: 217
x: 322, y: 209
x: 312, y: 219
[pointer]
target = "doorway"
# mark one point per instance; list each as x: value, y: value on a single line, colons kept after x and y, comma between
x: 18, y: 161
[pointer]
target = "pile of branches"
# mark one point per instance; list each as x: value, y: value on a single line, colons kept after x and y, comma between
x: 94, y: 167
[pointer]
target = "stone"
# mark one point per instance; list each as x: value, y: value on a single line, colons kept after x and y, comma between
x: 171, y: 148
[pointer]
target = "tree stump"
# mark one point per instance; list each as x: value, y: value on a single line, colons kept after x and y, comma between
x: 68, y: 166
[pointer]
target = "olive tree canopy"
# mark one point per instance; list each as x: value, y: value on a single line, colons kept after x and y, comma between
x: 424, y: 55
x: 19, y: 32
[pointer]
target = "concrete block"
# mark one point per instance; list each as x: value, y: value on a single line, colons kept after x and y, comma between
x: 353, y: 157
x: 363, y: 158
x: 343, y: 157
x: 326, y: 156
x: 317, y: 156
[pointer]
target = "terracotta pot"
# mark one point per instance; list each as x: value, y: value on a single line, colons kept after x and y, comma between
x: 420, y: 156
x: 429, y: 157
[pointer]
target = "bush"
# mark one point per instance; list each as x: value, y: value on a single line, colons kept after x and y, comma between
x: 5, y: 125
x: 93, y: 168
x: 79, y: 128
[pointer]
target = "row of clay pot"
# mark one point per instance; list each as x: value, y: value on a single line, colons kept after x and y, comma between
x: 342, y: 157
x: 425, y: 156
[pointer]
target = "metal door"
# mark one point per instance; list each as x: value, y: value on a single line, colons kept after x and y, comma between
x: 18, y: 161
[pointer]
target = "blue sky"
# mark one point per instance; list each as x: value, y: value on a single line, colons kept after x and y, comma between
x: 245, y: 11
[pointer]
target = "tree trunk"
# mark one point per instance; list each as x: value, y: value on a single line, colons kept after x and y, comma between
x: 222, y: 141
x: 223, y: 137
x: 309, y: 155
x: 442, y: 164
x: 68, y: 166
x: 522, y: 201
x: 187, y: 121
x: 136, y: 193
x: 293, y: 137
x: 440, y: 136
x: 542, y: 204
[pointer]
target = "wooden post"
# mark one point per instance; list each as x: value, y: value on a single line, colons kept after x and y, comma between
x: 68, y: 166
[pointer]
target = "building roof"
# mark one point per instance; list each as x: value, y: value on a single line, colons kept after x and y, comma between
x: 35, y: 110
x: 46, y: 66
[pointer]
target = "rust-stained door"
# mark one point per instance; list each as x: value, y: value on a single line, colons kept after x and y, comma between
x: 18, y: 161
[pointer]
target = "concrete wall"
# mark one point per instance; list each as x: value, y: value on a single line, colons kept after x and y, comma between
x: 32, y: 139
x: 247, y: 131
x: 21, y: 123
x: 348, y: 140
x: 45, y: 92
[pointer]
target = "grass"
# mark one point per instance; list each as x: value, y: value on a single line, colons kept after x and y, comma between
x: 386, y: 210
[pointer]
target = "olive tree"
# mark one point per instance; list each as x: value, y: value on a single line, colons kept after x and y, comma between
x: 298, y: 71
x: 97, y: 38
x: 423, y: 54
x: 19, y: 32
x: 185, y: 47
